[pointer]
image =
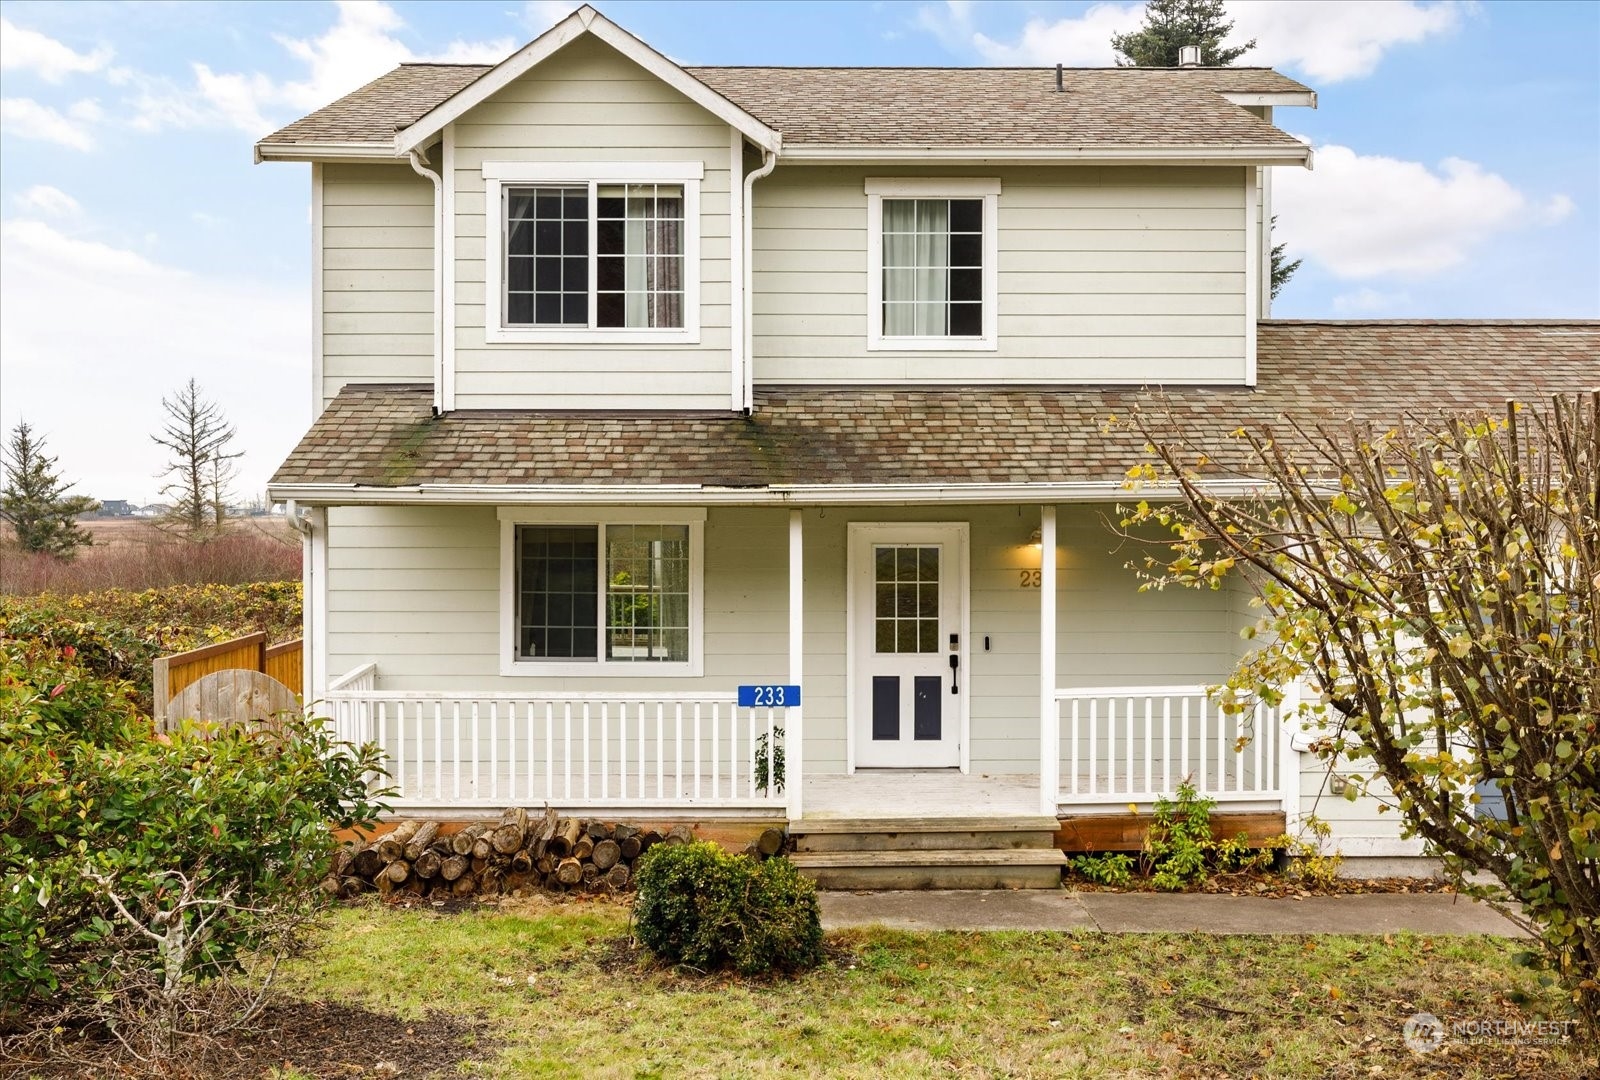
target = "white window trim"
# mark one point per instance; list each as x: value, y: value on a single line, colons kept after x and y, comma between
x: 497, y: 175
x: 511, y: 517
x: 933, y: 188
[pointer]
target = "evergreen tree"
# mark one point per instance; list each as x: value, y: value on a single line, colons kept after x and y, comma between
x: 196, y: 436
x: 1282, y: 270
x: 35, y: 501
x: 1169, y: 25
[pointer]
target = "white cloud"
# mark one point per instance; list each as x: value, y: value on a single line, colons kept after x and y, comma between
x: 1325, y: 40
x: 540, y: 15
x: 27, y: 119
x: 22, y: 49
x: 1332, y: 40
x: 362, y: 44
x: 1369, y: 302
x: 52, y: 202
x: 1081, y: 42
x: 79, y: 314
x: 1367, y: 216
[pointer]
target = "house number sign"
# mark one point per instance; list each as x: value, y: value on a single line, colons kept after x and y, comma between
x: 769, y: 696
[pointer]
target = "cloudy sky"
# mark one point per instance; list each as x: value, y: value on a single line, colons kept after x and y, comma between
x: 1457, y: 171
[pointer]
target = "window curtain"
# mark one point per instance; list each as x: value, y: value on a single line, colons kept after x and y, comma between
x: 916, y: 267
x: 653, y: 276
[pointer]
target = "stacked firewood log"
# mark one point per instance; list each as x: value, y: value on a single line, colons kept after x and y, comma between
x: 490, y: 858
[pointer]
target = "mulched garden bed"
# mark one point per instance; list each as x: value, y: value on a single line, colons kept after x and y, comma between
x: 322, y: 1039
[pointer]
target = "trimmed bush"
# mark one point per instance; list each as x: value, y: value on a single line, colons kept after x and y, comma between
x: 704, y: 908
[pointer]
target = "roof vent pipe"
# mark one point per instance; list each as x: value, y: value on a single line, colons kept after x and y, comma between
x: 1189, y: 56
x: 1060, y: 88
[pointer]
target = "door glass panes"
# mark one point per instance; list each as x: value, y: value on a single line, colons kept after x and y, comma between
x: 933, y: 267
x: 906, y: 599
x: 647, y: 593
x: 557, y: 592
x: 547, y: 256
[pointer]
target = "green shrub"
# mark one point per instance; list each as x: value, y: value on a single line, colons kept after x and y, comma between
x: 701, y: 907
x: 132, y: 864
x: 1180, y: 844
x: 1114, y: 870
x: 117, y: 633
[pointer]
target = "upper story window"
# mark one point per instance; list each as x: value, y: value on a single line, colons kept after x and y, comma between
x: 931, y: 281
x: 603, y: 253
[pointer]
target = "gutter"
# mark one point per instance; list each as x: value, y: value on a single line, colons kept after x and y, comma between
x: 417, y: 157
x: 323, y: 151
x: 822, y: 154
x: 774, y: 495
x: 747, y: 360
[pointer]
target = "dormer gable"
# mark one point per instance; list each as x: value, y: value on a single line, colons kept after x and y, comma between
x: 585, y: 21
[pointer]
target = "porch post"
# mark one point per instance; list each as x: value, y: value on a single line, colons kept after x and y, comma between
x: 1049, y: 720
x: 793, y: 729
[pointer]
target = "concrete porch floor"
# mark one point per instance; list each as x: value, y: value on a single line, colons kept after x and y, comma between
x: 920, y: 793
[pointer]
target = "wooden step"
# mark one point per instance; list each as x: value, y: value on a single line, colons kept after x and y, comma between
x: 948, y: 869
x: 924, y: 834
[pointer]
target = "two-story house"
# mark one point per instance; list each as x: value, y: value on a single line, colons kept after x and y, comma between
x: 637, y: 383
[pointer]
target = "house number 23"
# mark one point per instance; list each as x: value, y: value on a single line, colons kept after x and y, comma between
x: 1032, y: 579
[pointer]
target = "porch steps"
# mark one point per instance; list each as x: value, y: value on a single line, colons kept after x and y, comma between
x: 929, y: 853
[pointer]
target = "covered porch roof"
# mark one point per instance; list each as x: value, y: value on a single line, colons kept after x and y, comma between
x: 816, y: 444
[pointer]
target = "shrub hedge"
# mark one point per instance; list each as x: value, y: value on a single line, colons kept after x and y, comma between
x: 223, y: 835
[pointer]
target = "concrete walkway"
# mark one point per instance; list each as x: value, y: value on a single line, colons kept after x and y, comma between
x: 1145, y: 913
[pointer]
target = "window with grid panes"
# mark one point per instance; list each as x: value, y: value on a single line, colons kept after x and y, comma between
x: 595, y: 255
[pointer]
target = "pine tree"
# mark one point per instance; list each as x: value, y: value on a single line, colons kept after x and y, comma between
x: 196, y: 436
x: 1282, y: 270
x: 1169, y: 25
x: 35, y: 500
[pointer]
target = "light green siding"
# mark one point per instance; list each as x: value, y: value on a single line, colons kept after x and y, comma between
x: 377, y: 276
x: 417, y: 590
x: 589, y: 103
x: 1113, y: 274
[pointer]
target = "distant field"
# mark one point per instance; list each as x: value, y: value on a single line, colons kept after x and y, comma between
x: 117, y: 532
x: 131, y: 553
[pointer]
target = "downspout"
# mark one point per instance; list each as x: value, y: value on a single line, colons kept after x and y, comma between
x: 768, y: 163
x: 308, y: 634
x: 417, y: 157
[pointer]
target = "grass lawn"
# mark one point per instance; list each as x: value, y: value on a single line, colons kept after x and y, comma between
x: 557, y: 990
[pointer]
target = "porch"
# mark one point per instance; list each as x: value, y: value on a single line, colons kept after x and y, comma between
x: 701, y: 754
x: 936, y: 648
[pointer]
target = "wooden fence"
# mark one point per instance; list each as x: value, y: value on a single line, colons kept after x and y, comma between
x: 172, y: 674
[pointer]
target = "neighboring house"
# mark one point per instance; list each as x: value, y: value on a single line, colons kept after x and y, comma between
x: 636, y: 383
x: 114, y: 508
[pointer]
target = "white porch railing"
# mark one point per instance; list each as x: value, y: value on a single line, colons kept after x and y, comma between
x: 643, y: 750
x: 1133, y: 744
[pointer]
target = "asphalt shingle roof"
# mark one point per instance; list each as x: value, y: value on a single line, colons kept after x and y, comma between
x: 385, y: 436
x: 1110, y: 107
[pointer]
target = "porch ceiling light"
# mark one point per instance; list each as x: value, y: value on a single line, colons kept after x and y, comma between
x: 1036, y: 537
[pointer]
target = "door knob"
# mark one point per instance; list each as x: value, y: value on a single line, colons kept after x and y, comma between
x: 955, y: 673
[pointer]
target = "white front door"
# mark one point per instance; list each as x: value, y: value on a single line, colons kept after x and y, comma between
x: 908, y: 598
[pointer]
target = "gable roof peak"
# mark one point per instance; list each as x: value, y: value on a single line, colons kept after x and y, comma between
x: 586, y: 20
